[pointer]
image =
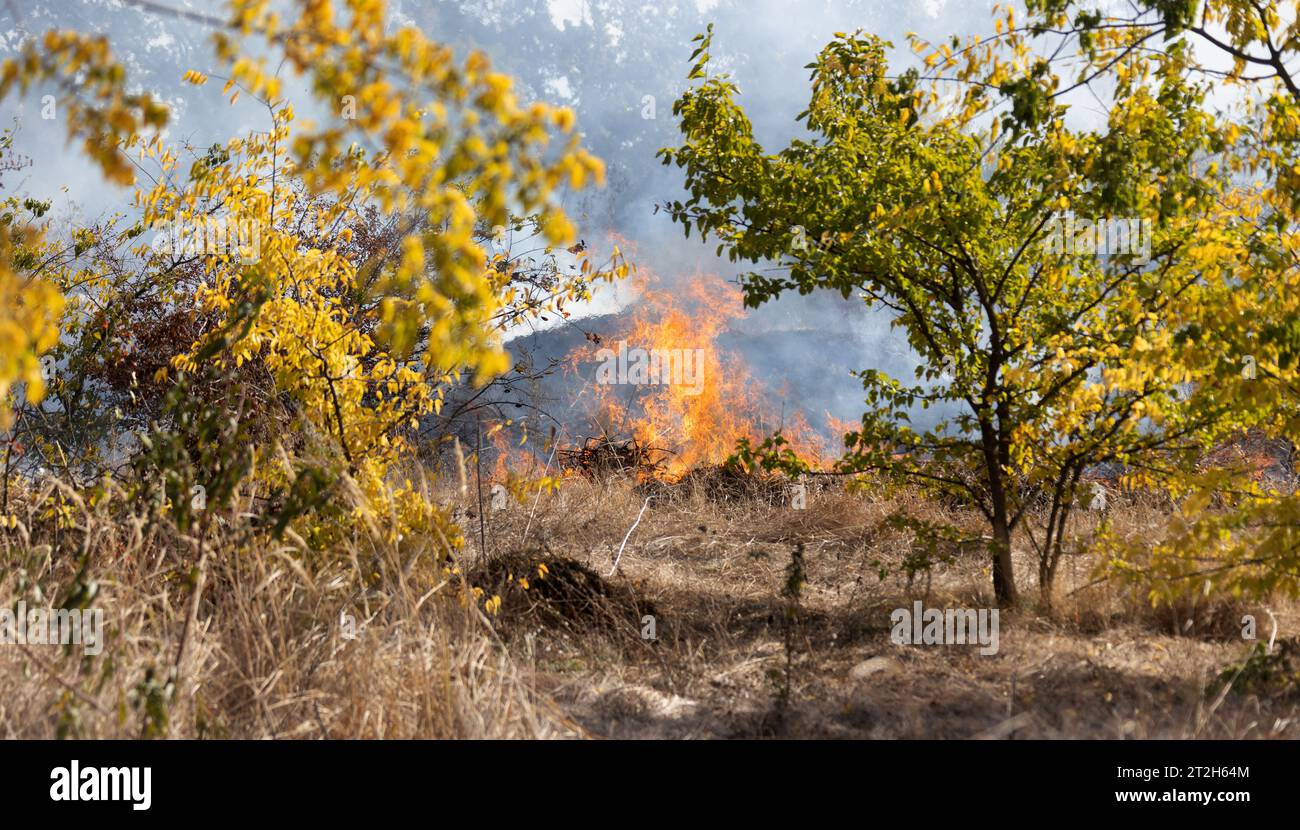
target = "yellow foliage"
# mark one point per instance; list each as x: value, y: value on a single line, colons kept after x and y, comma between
x: 450, y: 143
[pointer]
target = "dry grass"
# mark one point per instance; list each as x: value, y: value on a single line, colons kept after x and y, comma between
x: 268, y: 656
x: 1102, y: 664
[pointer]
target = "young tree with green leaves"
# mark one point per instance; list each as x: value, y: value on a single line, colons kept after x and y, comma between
x: 1237, y: 535
x: 1044, y: 356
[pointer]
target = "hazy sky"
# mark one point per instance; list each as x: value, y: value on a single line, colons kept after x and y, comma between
x: 764, y: 42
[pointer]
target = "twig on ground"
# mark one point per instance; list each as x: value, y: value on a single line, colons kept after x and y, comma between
x: 629, y: 535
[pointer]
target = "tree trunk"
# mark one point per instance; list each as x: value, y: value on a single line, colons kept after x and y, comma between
x: 1004, y: 580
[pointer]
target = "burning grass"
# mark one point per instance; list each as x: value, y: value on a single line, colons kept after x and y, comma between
x: 597, y: 458
x: 723, y: 483
x: 689, y: 425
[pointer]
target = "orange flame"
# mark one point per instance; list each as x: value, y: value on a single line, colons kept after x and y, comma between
x: 698, y: 419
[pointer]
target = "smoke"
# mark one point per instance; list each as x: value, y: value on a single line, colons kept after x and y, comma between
x: 620, y: 65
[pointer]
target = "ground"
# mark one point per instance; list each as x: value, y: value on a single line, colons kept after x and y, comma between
x: 1101, y: 664
x: 695, y: 633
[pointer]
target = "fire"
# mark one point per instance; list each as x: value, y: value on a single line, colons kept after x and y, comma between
x: 513, y: 449
x: 691, y: 398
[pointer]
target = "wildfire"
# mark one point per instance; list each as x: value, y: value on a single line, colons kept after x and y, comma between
x: 666, y: 382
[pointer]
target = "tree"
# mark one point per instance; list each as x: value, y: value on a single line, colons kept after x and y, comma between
x: 29, y: 304
x: 1236, y: 535
x: 353, y: 349
x: 1044, y: 356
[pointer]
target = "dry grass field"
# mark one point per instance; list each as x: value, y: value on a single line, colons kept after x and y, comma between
x: 376, y: 641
